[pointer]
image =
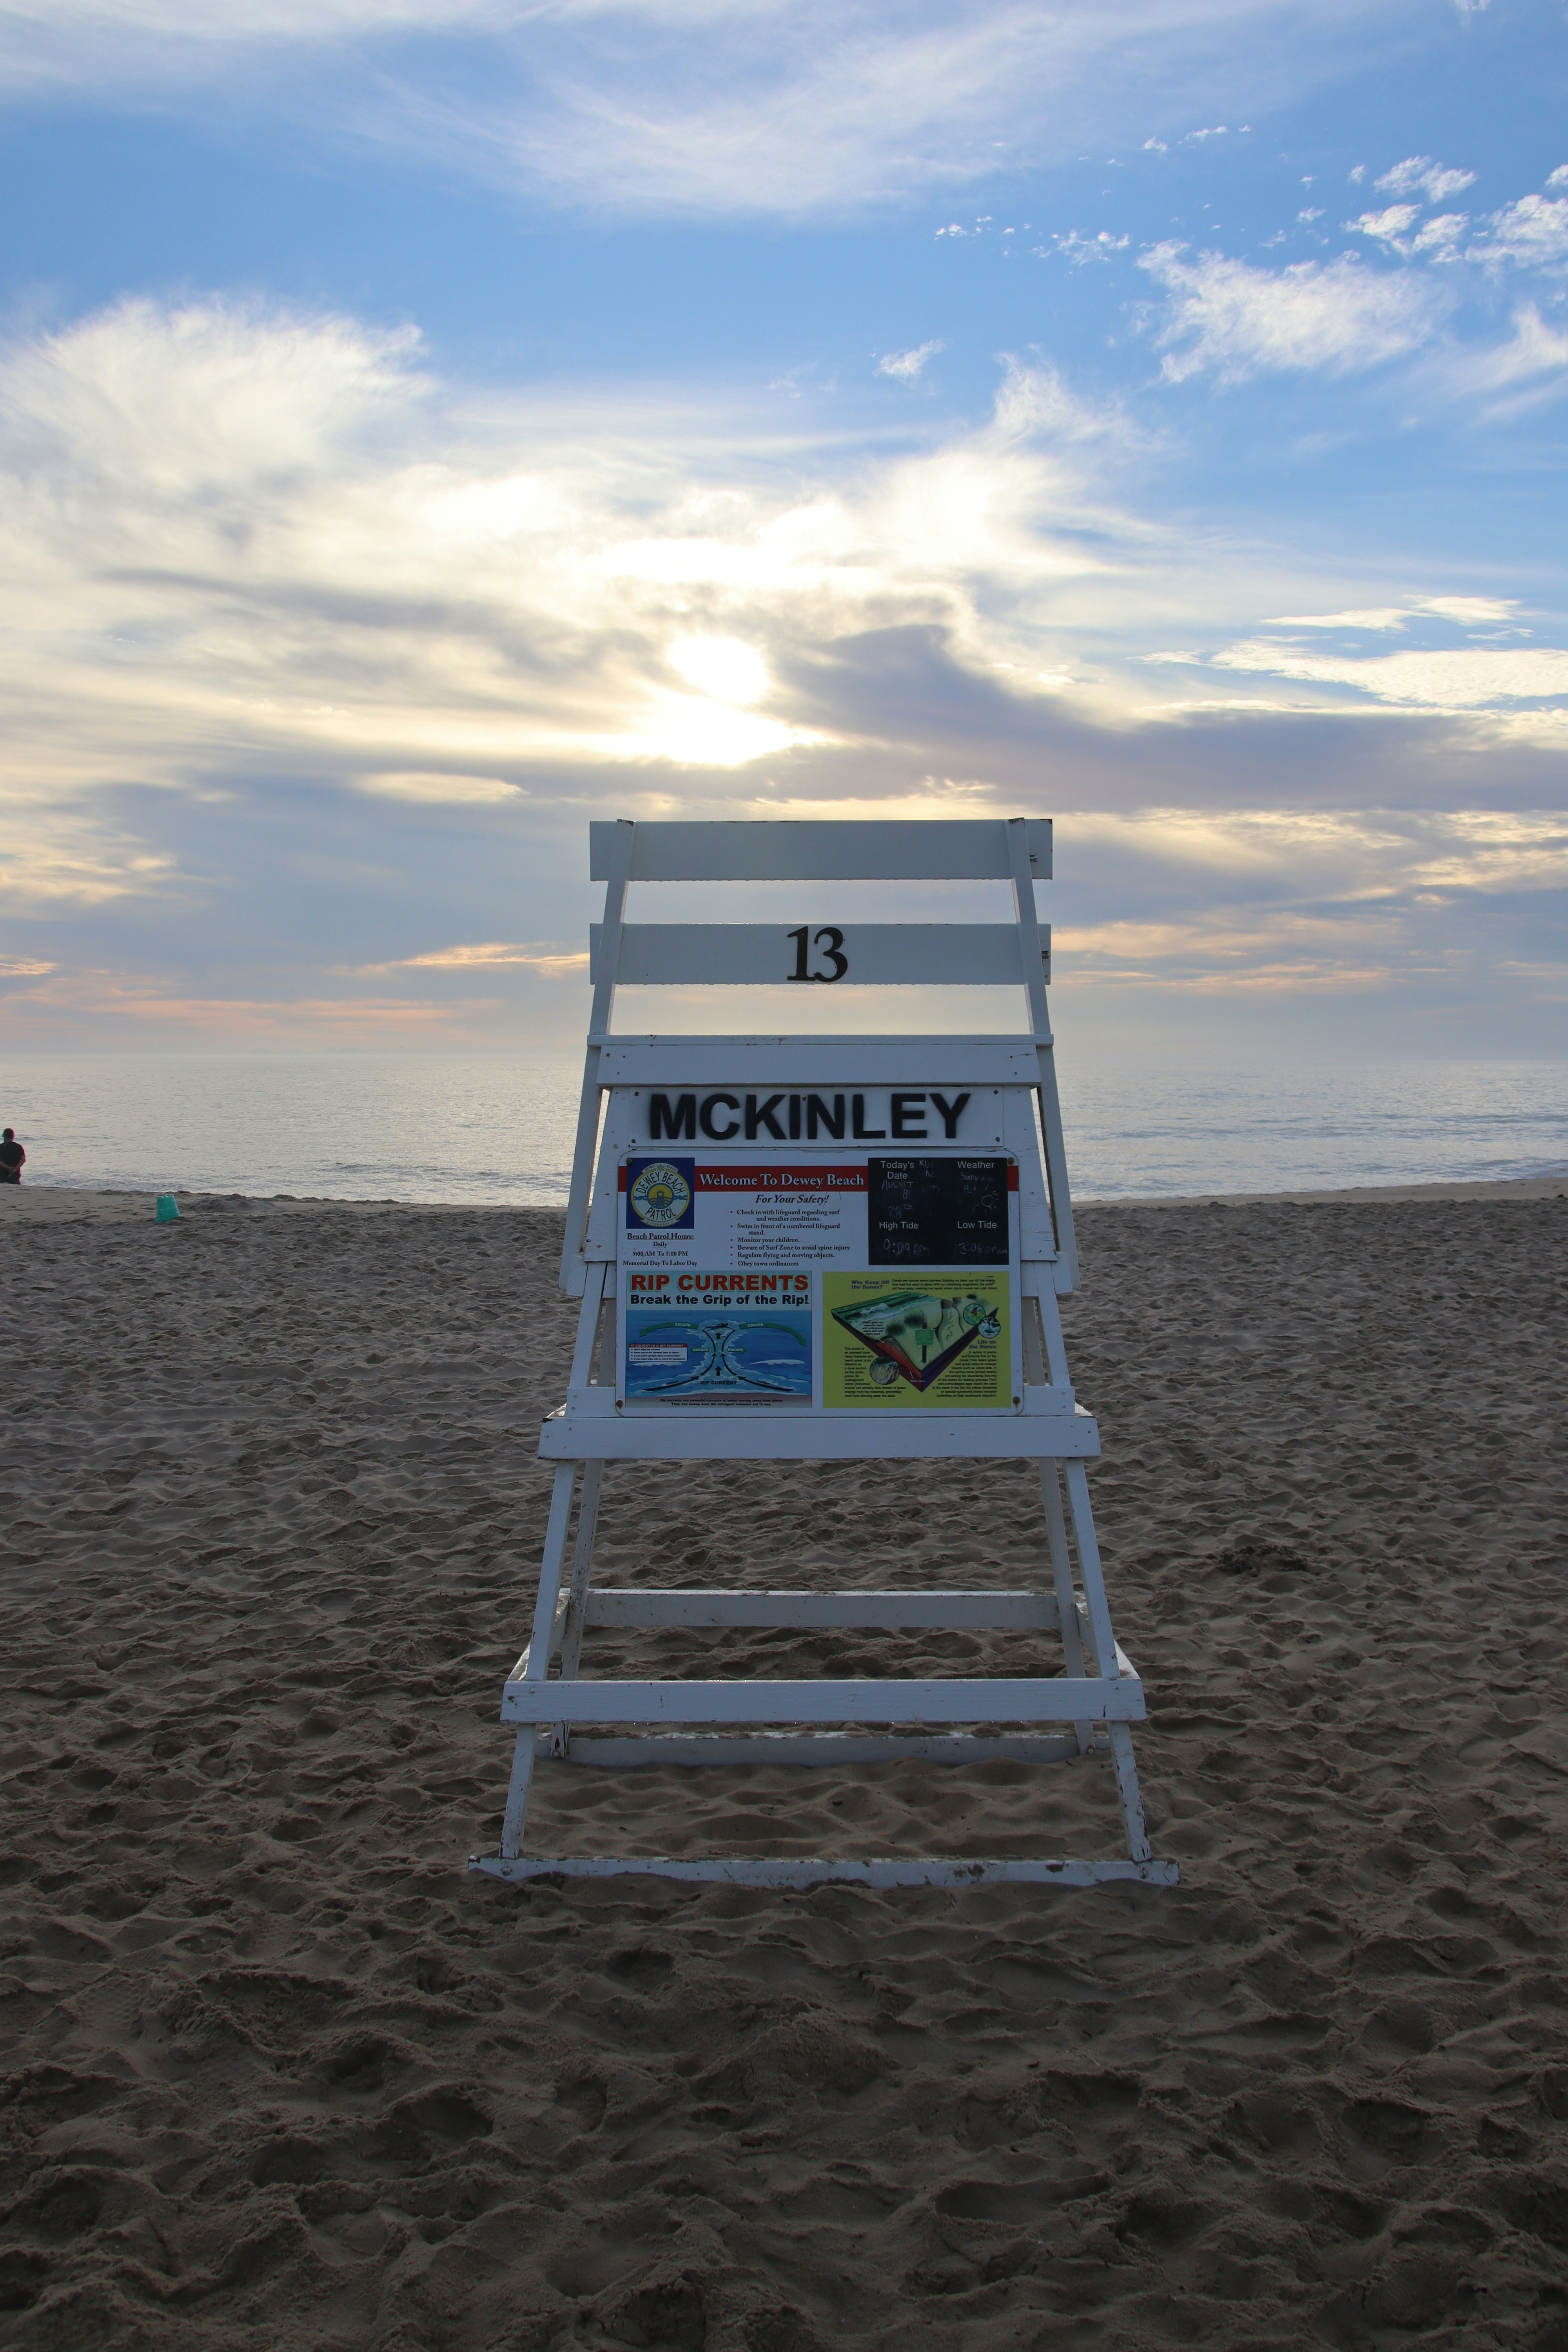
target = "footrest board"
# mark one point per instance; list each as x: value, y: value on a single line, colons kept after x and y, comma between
x: 786, y: 1871
x: 1058, y: 1699
x: 655, y: 1609
x: 836, y: 1747
x: 588, y: 1429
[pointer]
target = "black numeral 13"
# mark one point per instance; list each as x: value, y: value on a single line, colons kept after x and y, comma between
x: 831, y: 940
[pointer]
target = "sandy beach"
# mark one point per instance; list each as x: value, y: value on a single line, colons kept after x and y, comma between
x: 279, y: 2073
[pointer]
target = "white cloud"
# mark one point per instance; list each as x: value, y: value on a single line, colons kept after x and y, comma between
x: 1533, y: 234
x: 1437, y: 239
x: 1388, y: 225
x: 1440, y: 237
x: 1558, y: 179
x: 1468, y: 611
x: 1472, y: 612
x: 257, y: 561
x: 907, y: 365
x: 1293, y: 898
x: 1237, y: 321
x: 1464, y: 678
x: 697, y: 106
x: 490, y: 955
x: 1380, y: 616
x: 236, y: 542
x: 439, y: 788
x: 1528, y: 367
x: 1419, y: 176
x: 1078, y: 249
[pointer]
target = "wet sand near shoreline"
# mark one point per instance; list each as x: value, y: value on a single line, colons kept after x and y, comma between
x: 278, y: 2071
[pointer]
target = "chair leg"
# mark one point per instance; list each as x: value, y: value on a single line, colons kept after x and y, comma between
x: 1067, y: 1591
x: 1121, y: 1756
x: 1126, y: 1789
x: 577, y: 1605
x: 539, y: 1652
x: 517, y: 1792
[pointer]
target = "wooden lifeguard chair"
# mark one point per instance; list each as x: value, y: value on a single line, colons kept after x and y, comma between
x: 891, y: 1216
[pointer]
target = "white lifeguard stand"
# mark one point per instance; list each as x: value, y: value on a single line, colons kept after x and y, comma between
x: 821, y: 1248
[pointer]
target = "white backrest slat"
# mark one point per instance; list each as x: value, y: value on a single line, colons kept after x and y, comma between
x: 960, y: 1061
x: 759, y: 955
x: 935, y: 849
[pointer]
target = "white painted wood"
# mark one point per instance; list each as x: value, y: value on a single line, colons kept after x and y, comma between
x: 616, y: 852
x: 1021, y: 1135
x: 1074, y: 1645
x: 603, y: 1214
x: 520, y: 1670
x: 1016, y: 1612
x: 1082, y: 1523
x: 574, y: 1614
x: 701, y: 1750
x: 940, y: 1060
x: 587, y: 1329
x: 860, y: 955
x: 1126, y: 1789
x: 1022, y: 879
x: 961, y: 849
x: 597, y: 1407
x: 590, y: 1429
x: 537, y: 1655
x: 757, y: 1871
x: 1058, y: 1699
x: 1099, y: 1687
x: 1051, y: 1325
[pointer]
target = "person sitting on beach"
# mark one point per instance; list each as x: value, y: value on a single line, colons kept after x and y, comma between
x: 13, y: 1159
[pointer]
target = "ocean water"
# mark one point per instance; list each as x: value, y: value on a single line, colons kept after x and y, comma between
x: 493, y: 1128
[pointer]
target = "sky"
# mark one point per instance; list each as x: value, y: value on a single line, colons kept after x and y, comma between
x: 426, y: 425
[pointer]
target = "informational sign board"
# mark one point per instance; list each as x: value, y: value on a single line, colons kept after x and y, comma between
x: 865, y: 1282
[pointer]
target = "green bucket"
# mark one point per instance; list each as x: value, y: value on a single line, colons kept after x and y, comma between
x: 168, y: 1209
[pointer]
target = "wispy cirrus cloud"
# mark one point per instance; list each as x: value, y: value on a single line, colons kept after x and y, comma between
x: 1507, y: 377
x: 490, y: 955
x: 905, y: 367
x: 1228, y: 319
x: 698, y: 106
x: 1458, y: 678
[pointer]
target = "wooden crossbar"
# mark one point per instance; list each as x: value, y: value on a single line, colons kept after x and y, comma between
x: 698, y: 1748
x: 1056, y: 1699
x: 588, y: 1428
x: 959, y: 849
x: 790, y: 1870
x: 1017, y: 1613
x: 626, y: 1060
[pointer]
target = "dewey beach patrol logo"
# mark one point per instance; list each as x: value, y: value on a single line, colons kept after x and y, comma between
x: 659, y: 1194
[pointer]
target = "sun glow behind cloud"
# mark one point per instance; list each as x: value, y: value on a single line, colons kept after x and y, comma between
x: 308, y: 556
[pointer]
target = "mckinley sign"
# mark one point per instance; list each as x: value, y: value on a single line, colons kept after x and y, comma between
x: 879, y: 1115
